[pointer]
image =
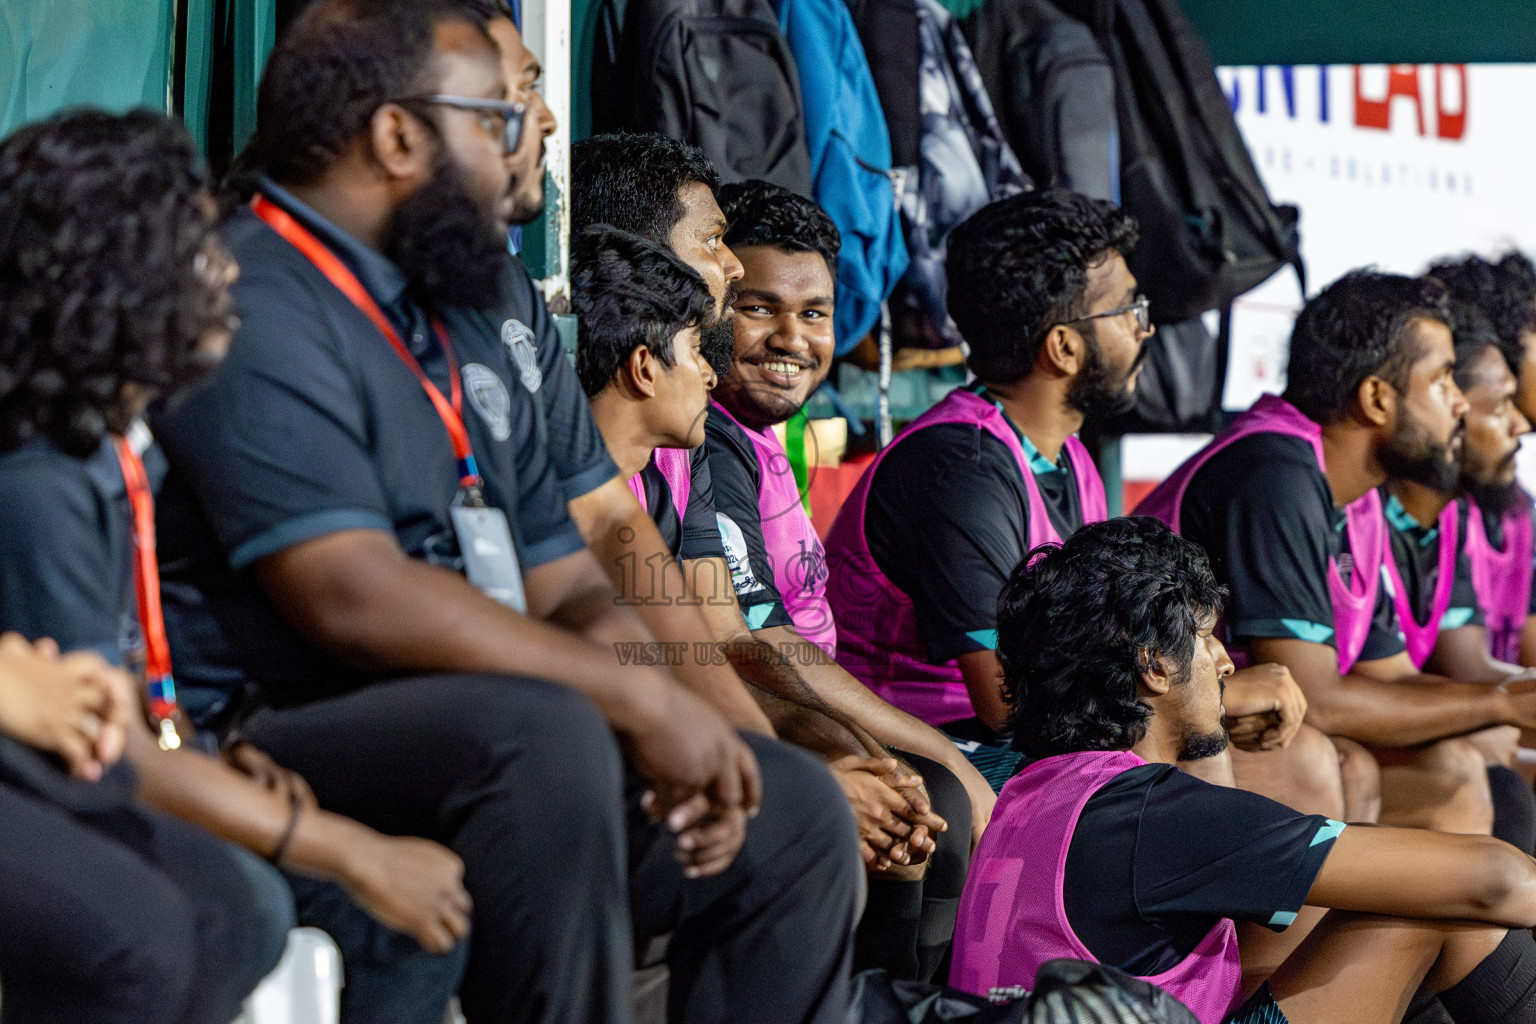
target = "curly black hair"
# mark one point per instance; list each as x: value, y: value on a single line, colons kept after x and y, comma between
x: 1472, y: 331
x: 762, y: 213
x: 1505, y: 291
x: 1019, y: 266
x: 106, y: 237
x: 631, y: 181
x: 628, y: 291
x: 332, y: 69
x: 1354, y: 329
x: 1078, y: 624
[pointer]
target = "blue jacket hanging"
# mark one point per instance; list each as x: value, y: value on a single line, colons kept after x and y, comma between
x: 850, y: 159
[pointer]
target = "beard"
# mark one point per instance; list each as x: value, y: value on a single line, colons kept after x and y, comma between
x: 1494, y: 496
x: 1099, y: 390
x: 449, y: 249
x: 717, y: 338
x: 1413, y: 455
x: 1198, y: 746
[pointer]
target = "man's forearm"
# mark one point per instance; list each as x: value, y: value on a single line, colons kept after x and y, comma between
x: 808, y: 728
x: 1405, y: 712
x: 1385, y: 703
x: 356, y: 595
x: 649, y: 581
x: 832, y: 684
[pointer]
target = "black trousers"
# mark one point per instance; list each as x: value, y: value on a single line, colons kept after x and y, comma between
x: 129, y: 917
x: 524, y: 781
x: 907, y: 927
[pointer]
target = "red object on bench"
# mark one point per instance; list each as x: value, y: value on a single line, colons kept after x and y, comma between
x: 830, y: 487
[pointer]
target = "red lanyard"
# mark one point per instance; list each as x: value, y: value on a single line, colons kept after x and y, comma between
x: 146, y: 584
x: 346, y: 282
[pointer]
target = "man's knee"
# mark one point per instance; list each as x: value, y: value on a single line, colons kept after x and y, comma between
x: 1443, y: 786
x: 1362, y: 780
x: 259, y: 914
x: 1305, y: 776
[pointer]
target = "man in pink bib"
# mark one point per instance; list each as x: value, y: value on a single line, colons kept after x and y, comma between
x: 1100, y: 849
x: 1285, y: 504
x: 1499, y: 530
x: 1056, y: 333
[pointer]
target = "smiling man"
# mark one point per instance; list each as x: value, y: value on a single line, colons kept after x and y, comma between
x: 437, y: 647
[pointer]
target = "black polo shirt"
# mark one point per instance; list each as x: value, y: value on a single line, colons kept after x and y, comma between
x: 697, y: 534
x: 1263, y: 511
x: 577, y: 451
x: 66, y: 549
x: 948, y: 521
x: 1416, y: 550
x: 312, y: 426
x: 736, y: 477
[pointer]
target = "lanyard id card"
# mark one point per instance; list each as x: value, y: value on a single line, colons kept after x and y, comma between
x: 159, y: 684
x: 484, y: 536
x: 490, y: 557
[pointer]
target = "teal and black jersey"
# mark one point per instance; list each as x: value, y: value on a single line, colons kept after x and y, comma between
x: 1264, y: 513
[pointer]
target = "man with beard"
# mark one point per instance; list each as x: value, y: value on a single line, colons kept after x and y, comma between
x: 1285, y: 504
x: 664, y: 190
x: 1101, y: 850
x: 1432, y: 585
x: 1499, y: 532
x: 611, y: 521
x: 391, y: 565
x: 923, y: 546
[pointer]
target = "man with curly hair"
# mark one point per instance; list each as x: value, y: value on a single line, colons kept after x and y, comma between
x: 77, y: 476
x: 1499, y: 542
x: 370, y: 493
x: 112, y: 287
x: 1101, y: 849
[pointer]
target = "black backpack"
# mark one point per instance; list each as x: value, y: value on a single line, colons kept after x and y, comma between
x: 1054, y: 91
x: 716, y: 73
x: 1065, y: 992
x: 1209, y: 231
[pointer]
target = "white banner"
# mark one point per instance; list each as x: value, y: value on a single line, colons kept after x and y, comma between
x: 1393, y: 166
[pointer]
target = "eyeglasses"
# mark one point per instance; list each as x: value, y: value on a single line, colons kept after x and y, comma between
x: 1142, y: 308
x: 511, y: 114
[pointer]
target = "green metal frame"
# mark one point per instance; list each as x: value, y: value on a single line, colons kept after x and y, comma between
x: 1366, y: 31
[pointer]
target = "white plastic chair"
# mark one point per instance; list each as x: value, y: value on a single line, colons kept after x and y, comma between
x: 304, y: 988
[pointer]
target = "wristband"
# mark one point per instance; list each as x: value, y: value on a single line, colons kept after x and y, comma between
x: 294, y: 807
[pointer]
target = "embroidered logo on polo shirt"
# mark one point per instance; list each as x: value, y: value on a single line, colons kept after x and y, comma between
x: 518, y: 338
x: 489, y: 397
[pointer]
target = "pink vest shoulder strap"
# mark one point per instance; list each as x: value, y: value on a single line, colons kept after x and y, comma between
x: 1421, y: 636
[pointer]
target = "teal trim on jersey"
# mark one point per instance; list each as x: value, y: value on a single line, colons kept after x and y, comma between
x: 1312, y: 632
x: 986, y: 637
x: 758, y: 614
x: 1281, y: 919
x: 1038, y: 464
x: 1455, y: 618
x: 1328, y: 832
x: 1403, y: 522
